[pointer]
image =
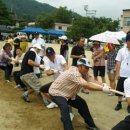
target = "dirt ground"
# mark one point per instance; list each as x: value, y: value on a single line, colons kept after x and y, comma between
x: 15, y: 114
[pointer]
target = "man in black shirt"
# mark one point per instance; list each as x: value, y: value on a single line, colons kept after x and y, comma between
x: 78, y: 51
x: 28, y: 64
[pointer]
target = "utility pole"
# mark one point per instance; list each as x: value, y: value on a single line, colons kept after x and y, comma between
x: 89, y: 12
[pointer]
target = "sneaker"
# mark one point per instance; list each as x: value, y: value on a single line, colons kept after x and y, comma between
x: 71, y: 116
x: 45, y: 101
x: 128, y: 109
x: 86, y: 91
x: 18, y: 86
x: 92, y: 128
x: 118, y: 107
x: 110, y: 94
x: 7, y: 81
x: 52, y: 105
x: 25, y: 97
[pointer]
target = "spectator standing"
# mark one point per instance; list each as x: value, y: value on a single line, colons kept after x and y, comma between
x: 122, y: 69
x: 24, y: 43
x: 98, y: 56
x: 111, y: 65
x: 41, y: 42
x: 78, y: 51
x: 64, y: 49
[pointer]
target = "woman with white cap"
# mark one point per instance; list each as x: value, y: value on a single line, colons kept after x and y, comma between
x: 64, y: 47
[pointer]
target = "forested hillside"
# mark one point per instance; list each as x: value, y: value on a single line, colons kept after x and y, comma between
x: 28, y: 9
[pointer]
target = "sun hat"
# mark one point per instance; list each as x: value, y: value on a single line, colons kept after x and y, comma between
x: 37, y: 46
x: 63, y: 37
x: 50, y: 51
x: 84, y: 61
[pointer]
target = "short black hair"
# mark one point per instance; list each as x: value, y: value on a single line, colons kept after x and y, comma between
x: 6, y: 45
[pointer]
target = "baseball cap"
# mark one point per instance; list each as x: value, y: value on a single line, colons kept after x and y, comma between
x: 63, y: 37
x: 50, y: 51
x: 128, y: 37
x: 84, y: 61
x: 36, y: 33
x: 37, y: 46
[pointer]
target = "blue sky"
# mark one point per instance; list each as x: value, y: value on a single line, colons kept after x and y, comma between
x: 108, y: 8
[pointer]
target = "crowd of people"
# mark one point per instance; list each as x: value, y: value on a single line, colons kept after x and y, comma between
x: 29, y: 64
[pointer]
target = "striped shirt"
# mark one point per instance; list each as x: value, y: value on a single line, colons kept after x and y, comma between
x: 67, y: 84
x: 111, y: 59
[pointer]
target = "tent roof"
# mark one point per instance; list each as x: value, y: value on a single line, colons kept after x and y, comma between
x: 56, y: 32
x: 33, y: 30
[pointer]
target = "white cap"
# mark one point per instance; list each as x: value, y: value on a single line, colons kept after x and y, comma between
x: 84, y: 61
x: 63, y: 37
x: 37, y: 46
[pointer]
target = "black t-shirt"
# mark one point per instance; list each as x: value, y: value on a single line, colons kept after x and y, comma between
x: 76, y: 50
x: 25, y: 67
x: 63, y: 48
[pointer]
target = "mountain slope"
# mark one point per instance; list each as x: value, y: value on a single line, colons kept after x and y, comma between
x: 28, y: 9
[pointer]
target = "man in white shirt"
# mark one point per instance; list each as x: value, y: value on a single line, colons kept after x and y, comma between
x: 122, y: 69
x: 54, y: 65
x: 38, y: 40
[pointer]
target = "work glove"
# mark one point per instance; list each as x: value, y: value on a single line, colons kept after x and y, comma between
x: 42, y: 67
x: 105, y: 88
x: 56, y: 71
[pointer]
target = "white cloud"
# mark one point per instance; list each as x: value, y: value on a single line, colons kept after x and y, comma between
x: 108, y: 8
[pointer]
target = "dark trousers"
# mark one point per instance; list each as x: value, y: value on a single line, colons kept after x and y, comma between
x: 123, y: 125
x: 8, y: 70
x: 17, y: 79
x: 79, y: 104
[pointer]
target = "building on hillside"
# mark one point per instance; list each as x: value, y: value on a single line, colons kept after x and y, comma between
x: 32, y: 24
x: 61, y: 26
x: 125, y: 20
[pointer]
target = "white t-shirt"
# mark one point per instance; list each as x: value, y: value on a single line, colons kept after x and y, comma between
x: 41, y: 42
x: 123, y: 56
x: 58, y: 64
x: 36, y: 70
x: 127, y: 87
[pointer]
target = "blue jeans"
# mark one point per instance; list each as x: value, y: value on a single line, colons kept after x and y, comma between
x: 79, y: 104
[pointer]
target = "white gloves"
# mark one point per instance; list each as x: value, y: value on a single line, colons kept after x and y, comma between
x: 56, y: 71
x: 42, y: 66
x: 12, y: 58
x: 105, y: 88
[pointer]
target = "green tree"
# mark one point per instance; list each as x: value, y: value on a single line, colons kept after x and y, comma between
x: 63, y: 15
x: 45, y: 21
x: 5, y: 18
x: 87, y: 26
